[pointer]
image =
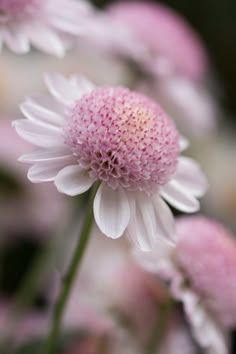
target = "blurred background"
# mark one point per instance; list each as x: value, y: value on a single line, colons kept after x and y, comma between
x: 215, y: 21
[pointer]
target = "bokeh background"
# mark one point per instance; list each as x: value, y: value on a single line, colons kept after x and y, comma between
x: 215, y: 21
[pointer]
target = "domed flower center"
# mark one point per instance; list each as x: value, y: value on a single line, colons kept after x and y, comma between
x: 123, y: 138
x: 15, y: 9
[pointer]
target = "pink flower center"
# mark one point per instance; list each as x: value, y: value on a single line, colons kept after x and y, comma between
x: 123, y: 138
x: 15, y: 9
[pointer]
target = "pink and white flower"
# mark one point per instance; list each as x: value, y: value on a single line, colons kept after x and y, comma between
x: 201, y: 271
x: 120, y: 138
x: 171, y: 44
x: 43, y: 24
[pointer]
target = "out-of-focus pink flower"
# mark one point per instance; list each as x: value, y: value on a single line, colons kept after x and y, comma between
x: 124, y: 304
x: 41, y: 23
x: 120, y: 138
x: 172, y: 44
x: 201, y: 270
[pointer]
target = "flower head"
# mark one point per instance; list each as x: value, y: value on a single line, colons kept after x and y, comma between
x: 41, y: 23
x: 164, y: 32
x: 201, y: 271
x: 119, y: 138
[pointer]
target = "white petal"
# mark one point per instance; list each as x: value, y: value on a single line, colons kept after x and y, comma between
x: 37, y: 134
x: 111, y: 211
x: 73, y: 180
x: 180, y: 198
x: 82, y: 84
x: 183, y: 143
x: 150, y: 219
x: 190, y: 176
x: 46, y: 39
x: 45, y: 155
x: 164, y: 218
x: 47, y: 171
x: 16, y: 40
x: 61, y: 88
x: 42, y: 109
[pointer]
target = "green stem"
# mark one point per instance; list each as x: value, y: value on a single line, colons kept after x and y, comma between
x: 158, y: 333
x: 69, y: 278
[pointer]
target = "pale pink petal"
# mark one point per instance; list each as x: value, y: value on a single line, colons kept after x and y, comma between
x: 46, y: 39
x: 73, y: 180
x: 150, y: 219
x: 38, y: 135
x: 164, y: 219
x: 190, y: 176
x: 45, y: 155
x: 111, y: 211
x: 46, y: 171
x: 82, y: 84
x: 62, y: 89
x: 16, y: 39
x: 42, y: 109
x: 183, y: 143
x: 179, y: 197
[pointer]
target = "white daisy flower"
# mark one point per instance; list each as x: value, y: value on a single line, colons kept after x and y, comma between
x: 42, y: 23
x: 120, y: 138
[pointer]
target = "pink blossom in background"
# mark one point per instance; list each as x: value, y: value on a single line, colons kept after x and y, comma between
x: 201, y: 271
x: 172, y: 44
x: 120, y: 138
x: 43, y: 24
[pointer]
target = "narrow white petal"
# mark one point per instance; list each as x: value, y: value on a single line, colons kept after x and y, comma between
x: 190, y: 176
x: 42, y: 109
x: 46, y: 39
x: 73, y: 180
x: 16, y: 40
x: 151, y: 219
x: 183, y: 143
x: 45, y: 155
x: 82, y: 84
x: 111, y: 211
x: 164, y: 219
x: 67, y: 25
x: 38, y: 134
x: 61, y: 88
x: 46, y: 171
x: 179, y: 197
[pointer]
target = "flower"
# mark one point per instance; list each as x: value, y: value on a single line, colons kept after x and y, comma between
x: 163, y: 32
x: 117, y: 137
x: 41, y: 23
x: 201, y: 271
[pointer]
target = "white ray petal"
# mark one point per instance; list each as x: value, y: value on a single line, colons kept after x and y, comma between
x: 179, y: 197
x: 45, y: 155
x: 46, y: 39
x: 16, y: 39
x: 151, y: 219
x: 111, y: 211
x: 38, y: 135
x: 190, y: 176
x: 62, y: 89
x: 47, y: 170
x: 73, y: 180
x: 43, y: 109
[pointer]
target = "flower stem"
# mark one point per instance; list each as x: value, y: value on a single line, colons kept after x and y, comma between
x: 158, y: 333
x: 69, y: 278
